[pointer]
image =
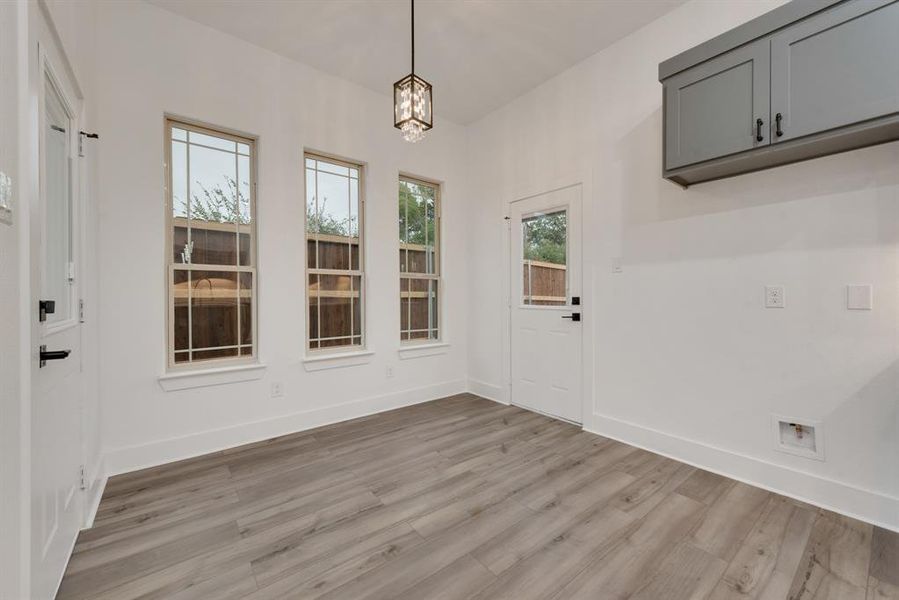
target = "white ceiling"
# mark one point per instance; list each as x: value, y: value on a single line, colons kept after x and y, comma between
x: 478, y: 54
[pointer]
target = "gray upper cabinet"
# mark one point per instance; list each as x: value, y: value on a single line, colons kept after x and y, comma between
x: 810, y: 78
x: 719, y: 107
x: 836, y: 68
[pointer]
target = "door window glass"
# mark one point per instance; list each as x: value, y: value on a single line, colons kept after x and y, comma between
x: 544, y: 260
x: 58, y: 261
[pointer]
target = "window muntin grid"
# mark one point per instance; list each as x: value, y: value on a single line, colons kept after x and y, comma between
x: 335, y: 273
x: 419, y: 247
x: 210, y: 249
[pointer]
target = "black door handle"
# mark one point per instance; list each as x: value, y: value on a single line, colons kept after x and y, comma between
x: 758, y: 130
x: 777, y: 119
x: 573, y: 316
x: 46, y: 355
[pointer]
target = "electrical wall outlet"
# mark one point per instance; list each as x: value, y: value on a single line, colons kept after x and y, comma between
x: 389, y: 371
x: 774, y: 296
x: 277, y: 389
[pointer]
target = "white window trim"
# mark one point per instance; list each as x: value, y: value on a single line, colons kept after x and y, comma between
x: 417, y: 347
x: 350, y: 358
x: 420, y: 350
x: 350, y: 354
x: 183, y: 380
x: 215, y: 365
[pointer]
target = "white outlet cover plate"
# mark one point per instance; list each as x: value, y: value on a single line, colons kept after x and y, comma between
x: 859, y: 297
x: 774, y: 296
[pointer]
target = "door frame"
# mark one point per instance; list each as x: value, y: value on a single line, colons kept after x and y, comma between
x: 583, y: 178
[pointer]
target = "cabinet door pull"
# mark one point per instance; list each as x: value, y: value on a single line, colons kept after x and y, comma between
x: 758, y: 130
x: 777, y: 119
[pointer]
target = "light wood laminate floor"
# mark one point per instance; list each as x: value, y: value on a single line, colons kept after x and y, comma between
x: 464, y: 498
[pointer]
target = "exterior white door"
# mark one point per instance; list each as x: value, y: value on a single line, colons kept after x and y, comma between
x: 545, y: 304
x: 56, y: 445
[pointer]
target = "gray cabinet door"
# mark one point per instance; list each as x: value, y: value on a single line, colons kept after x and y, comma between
x: 835, y: 69
x: 712, y: 110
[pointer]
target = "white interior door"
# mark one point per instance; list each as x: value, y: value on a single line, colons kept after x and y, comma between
x: 545, y: 303
x: 56, y: 445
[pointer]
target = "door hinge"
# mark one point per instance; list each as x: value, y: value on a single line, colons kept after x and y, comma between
x: 83, y: 480
x: 81, y: 311
x: 70, y: 272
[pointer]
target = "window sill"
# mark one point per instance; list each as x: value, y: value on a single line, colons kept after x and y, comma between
x: 183, y: 380
x: 320, y: 362
x: 420, y: 350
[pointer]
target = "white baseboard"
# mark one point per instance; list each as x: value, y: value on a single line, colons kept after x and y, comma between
x: 867, y: 505
x: 133, y: 458
x: 488, y: 391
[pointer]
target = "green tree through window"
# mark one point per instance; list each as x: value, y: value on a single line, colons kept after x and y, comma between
x: 416, y: 213
x: 545, y: 237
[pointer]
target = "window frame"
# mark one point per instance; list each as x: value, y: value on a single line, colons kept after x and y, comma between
x: 360, y: 272
x: 438, y: 264
x: 252, y: 141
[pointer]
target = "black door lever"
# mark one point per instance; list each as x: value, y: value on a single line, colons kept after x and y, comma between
x: 573, y: 316
x: 52, y: 355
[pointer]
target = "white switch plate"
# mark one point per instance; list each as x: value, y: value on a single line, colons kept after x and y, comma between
x: 859, y: 297
x: 774, y: 296
x: 277, y: 389
x: 616, y: 265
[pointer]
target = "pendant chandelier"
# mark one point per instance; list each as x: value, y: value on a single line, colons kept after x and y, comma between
x: 412, y: 108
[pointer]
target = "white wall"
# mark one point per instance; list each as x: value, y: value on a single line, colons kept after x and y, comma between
x: 151, y: 62
x: 686, y: 360
x: 14, y: 365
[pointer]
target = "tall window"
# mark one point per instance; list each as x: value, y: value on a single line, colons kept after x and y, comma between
x: 212, y: 245
x: 334, y: 264
x: 419, y: 220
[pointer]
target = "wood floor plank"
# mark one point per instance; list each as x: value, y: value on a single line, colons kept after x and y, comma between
x: 638, y: 555
x: 885, y: 556
x: 704, y: 486
x: 457, y: 581
x: 550, y: 520
x: 729, y: 519
x: 463, y: 498
x: 344, y: 565
x: 751, y: 574
x: 836, y: 560
x: 86, y: 583
x: 545, y: 571
x: 881, y: 590
x: 688, y: 573
x: 392, y: 579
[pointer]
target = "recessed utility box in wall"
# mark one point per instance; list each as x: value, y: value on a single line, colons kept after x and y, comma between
x: 801, y: 437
